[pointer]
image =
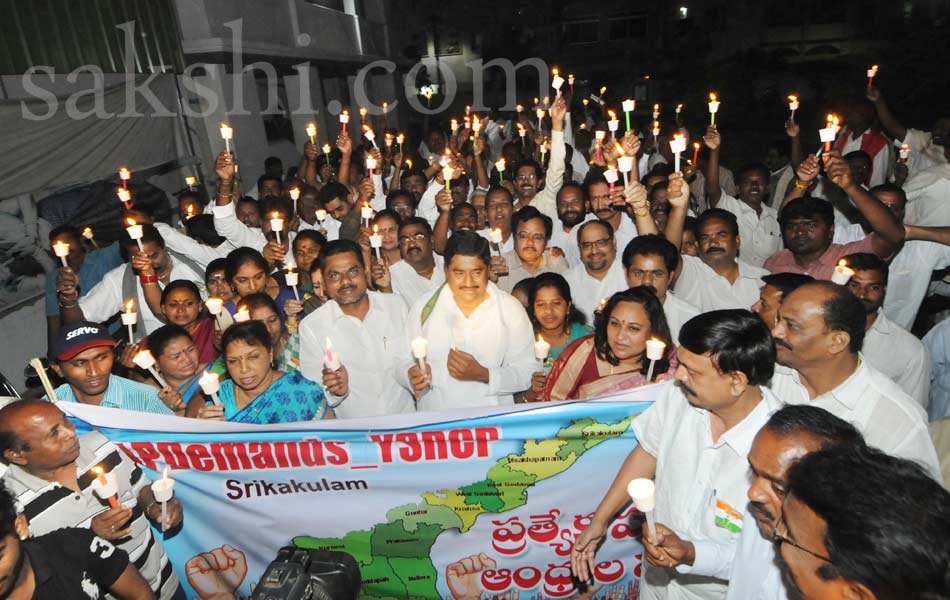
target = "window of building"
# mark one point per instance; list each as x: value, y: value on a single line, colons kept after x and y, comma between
x: 581, y: 32
x: 627, y: 27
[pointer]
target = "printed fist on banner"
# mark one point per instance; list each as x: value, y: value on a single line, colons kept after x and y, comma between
x: 465, y: 576
x: 217, y: 574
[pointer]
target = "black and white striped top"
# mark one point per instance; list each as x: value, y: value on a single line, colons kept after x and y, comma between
x: 49, y: 506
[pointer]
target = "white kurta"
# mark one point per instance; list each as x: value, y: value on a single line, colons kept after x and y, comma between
x: 702, y: 287
x: 677, y: 312
x: 760, y: 235
x: 498, y: 334
x: 410, y: 285
x: 909, y: 277
x: 587, y: 291
x: 897, y: 353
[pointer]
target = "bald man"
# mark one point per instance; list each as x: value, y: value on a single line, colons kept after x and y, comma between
x: 51, y: 477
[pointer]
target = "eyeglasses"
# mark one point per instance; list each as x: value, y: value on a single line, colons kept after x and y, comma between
x: 535, y: 237
x: 599, y: 243
x: 336, y: 276
x: 780, y: 538
x: 526, y: 177
x: 417, y: 237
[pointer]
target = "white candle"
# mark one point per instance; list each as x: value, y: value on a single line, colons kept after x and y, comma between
x: 105, y: 486
x: 276, y: 225
x: 227, y: 134
x: 904, y: 152
x: 679, y: 108
x: 454, y: 125
x: 792, y: 106
x: 420, y: 347
x: 331, y: 359
x: 611, y: 176
x: 321, y: 216
x: 87, y: 233
x: 125, y: 175
x: 124, y: 196
x: 163, y: 490
x: 540, y: 114
x: 214, y: 305
x: 135, y: 232
x: 294, y: 195
x: 541, y: 349
x: 842, y: 273
x: 827, y: 137
x: 129, y: 318
x: 476, y: 124
x: 500, y: 167
x: 370, y: 165
x: 556, y: 83
x: 366, y: 213
x: 344, y: 117
x: 656, y: 111
x: 629, y: 105
x: 613, y: 125
x: 145, y: 360
x: 61, y: 249
x: 495, y: 235
x: 643, y: 494
x: 292, y: 278
x: 713, y: 108
x: 677, y: 146
x: 242, y: 315
x: 312, y: 132
x: 210, y: 384
x: 376, y: 241
x: 625, y: 164
x: 654, y: 353
x: 368, y: 134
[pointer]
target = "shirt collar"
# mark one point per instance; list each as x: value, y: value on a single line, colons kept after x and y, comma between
x: 740, y: 436
x: 881, y: 324
x: 746, y: 270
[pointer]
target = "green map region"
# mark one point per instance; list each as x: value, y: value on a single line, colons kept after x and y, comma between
x: 394, y: 556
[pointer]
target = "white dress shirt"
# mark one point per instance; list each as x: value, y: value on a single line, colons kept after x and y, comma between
x: 701, y: 484
x: 410, y: 285
x: 200, y: 253
x: 587, y: 291
x: 518, y: 272
x: 889, y: 419
x: 546, y: 198
x: 923, y: 152
x: 937, y: 342
x: 701, y: 286
x: 233, y: 230
x: 677, y: 312
x: 760, y: 233
x: 498, y: 334
x: 909, y: 277
x: 370, y: 349
x: 505, y: 246
x: 105, y: 299
x: 897, y: 353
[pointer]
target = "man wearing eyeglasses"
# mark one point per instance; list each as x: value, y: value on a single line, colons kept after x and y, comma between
x: 531, y: 256
x: 421, y: 271
x: 600, y: 275
x: 367, y: 330
x: 748, y: 562
x: 528, y: 173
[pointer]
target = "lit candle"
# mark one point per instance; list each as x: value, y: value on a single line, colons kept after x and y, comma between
x: 420, y: 347
x: 792, y: 106
x: 541, y: 349
x: 500, y: 167
x: 408, y: 163
x: 227, y: 134
x: 215, y: 306
x: 210, y: 384
x: 135, y: 232
x: 677, y: 147
x: 904, y: 152
x: 613, y: 124
x: 389, y: 139
x: 656, y: 131
x: 643, y: 494
x: 655, y: 350
x: 834, y: 123
x: 827, y: 135
x: 557, y: 81
x: 628, y: 107
x: 611, y: 176
x: 87, y: 233
x: 544, y: 150
x: 842, y: 273
x: 294, y: 195
x: 679, y: 108
x: 454, y: 125
x: 312, y: 132
x: 125, y: 175
x: 599, y: 136
x: 106, y: 487
x: 129, y: 318
x: 321, y: 216
x: 495, y: 238
x: 190, y: 181
x: 447, y: 173
x: 871, y: 73
x: 522, y: 131
x: 344, y: 119
x: 625, y: 164
x: 519, y: 108
x: 601, y: 306
x: 276, y: 224
x: 331, y: 359
x: 540, y: 114
x: 163, y: 490
x: 656, y: 111
x: 369, y: 134
x: 292, y: 278
x: 125, y: 197
x: 476, y: 124
x: 61, y: 249
x: 370, y: 165
x: 326, y: 152
x: 399, y: 140
x: 467, y: 121
x: 713, y: 108
x: 570, y: 82
x: 144, y: 360
x: 366, y: 213
x: 242, y: 315
x: 376, y: 241
x: 363, y: 112
x: 385, y: 115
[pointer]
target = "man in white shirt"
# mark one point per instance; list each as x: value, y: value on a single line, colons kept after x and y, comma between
x: 937, y: 342
x: 777, y: 286
x: 528, y: 173
x: 607, y: 204
x: 368, y: 331
x: 600, y: 274
x: 888, y: 347
x: 651, y: 260
x: 531, y: 256
x: 926, y: 148
x: 500, y: 205
x: 421, y: 271
x: 694, y: 441
x: 819, y: 332
x: 571, y: 212
x: 123, y: 283
x: 758, y: 222
x: 480, y: 340
x: 749, y: 563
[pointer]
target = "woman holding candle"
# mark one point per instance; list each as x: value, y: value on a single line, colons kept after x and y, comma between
x: 181, y: 366
x: 284, y: 340
x: 257, y: 392
x: 614, y: 358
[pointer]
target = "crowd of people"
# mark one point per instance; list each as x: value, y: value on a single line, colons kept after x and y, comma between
x: 506, y: 259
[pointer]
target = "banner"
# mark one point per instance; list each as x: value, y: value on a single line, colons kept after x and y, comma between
x: 468, y: 504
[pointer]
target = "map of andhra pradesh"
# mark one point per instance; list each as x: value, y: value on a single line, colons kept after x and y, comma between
x: 394, y: 556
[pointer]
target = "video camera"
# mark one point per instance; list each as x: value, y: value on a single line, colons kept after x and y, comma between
x: 300, y: 574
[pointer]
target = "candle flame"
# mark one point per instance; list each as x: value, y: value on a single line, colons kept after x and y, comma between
x: 362, y: 112
x: 97, y: 470
x: 539, y: 338
x: 585, y: 101
x: 400, y: 138
x: 619, y: 149
x: 554, y: 71
x: 131, y: 222
x: 130, y: 305
x: 311, y: 129
x: 603, y: 90
x: 275, y: 215
x: 385, y: 106
x: 713, y: 97
x: 612, y: 114
x: 656, y: 108
x: 842, y: 263
x: 570, y: 78
x: 375, y: 229
x: 792, y: 98
x: 326, y: 148
x: 679, y: 107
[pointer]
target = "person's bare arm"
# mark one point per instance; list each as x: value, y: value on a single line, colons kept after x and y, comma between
x: 806, y: 174
x: 888, y: 121
x: 713, y: 190
x: 131, y: 585
x: 939, y: 235
x: 481, y: 171
x: 308, y: 165
x: 678, y: 194
x: 345, y: 145
x: 888, y: 231
x: 440, y: 233
x: 795, y: 155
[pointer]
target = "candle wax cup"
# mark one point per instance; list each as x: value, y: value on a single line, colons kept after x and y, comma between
x: 135, y: 231
x: 643, y: 494
x: 655, y: 349
x: 129, y: 318
x: 842, y: 275
x: 625, y: 163
x: 557, y: 82
x: 111, y: 488
x: 291, y: 278
x: 163, y: 489
x: 376, y: 241
x: 210, y: 384
x: 611, y: 176
x: 214, y: 305
x: 420, y: 347
x: 144, y: 359
x: 331, y: 360
x: 613, y: 125
x: 629, y: 105
x: 242, y: 316
x: 827, y: 134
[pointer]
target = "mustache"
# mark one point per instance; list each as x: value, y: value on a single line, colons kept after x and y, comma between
x: 346, y: 288
x: 713, y: 249
x: 759, y: 508
x: 783, y: 343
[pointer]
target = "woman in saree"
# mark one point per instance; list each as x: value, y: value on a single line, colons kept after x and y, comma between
x: 180, y: 365
x: 613, y: 359
x: 258, y: 393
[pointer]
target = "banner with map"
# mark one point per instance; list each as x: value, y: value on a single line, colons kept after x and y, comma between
x: 481, y: 503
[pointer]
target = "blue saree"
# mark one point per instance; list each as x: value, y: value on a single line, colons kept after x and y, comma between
x: 290, y: 399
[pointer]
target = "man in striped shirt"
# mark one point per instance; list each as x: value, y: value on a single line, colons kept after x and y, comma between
x: 51, y: 474
x: 83, y: 356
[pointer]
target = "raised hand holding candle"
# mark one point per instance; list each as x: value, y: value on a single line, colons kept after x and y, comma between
x: 557, y: 81
x: 500, y: 167
x: 792, y: 106
x: 628, y: 107
x: 125, y: 197
x: 366, y: 214
x: 135, y: 232
x: 654, y: 353
x: 312, y: 132
x: 210, y: 384
x: 163, y: 490
x: 842, y: 273
x: 713, y: 108
x: 292, y: 278
x: 447, y: 173
x: 420, y: 347
x: 227, y: 134
x: 61, y: 249
x: 643, y: 494
x: 105, y: 486
x: 144, y: 360
x: 344, y: 119
x: 331, y: 359
x: 276, y: 225
x: 677, y: 147
x: 376, y: 241
x: 871, y: 73
x: 125, y: 175
x: 129, y: 318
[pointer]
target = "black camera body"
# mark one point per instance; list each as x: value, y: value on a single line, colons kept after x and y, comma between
x: 299, y: 574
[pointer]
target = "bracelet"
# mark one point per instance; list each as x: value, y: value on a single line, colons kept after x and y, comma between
x: 800, y: 185
x: 148, y: 279
x: 149, y: 506
x: 73, y: 305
